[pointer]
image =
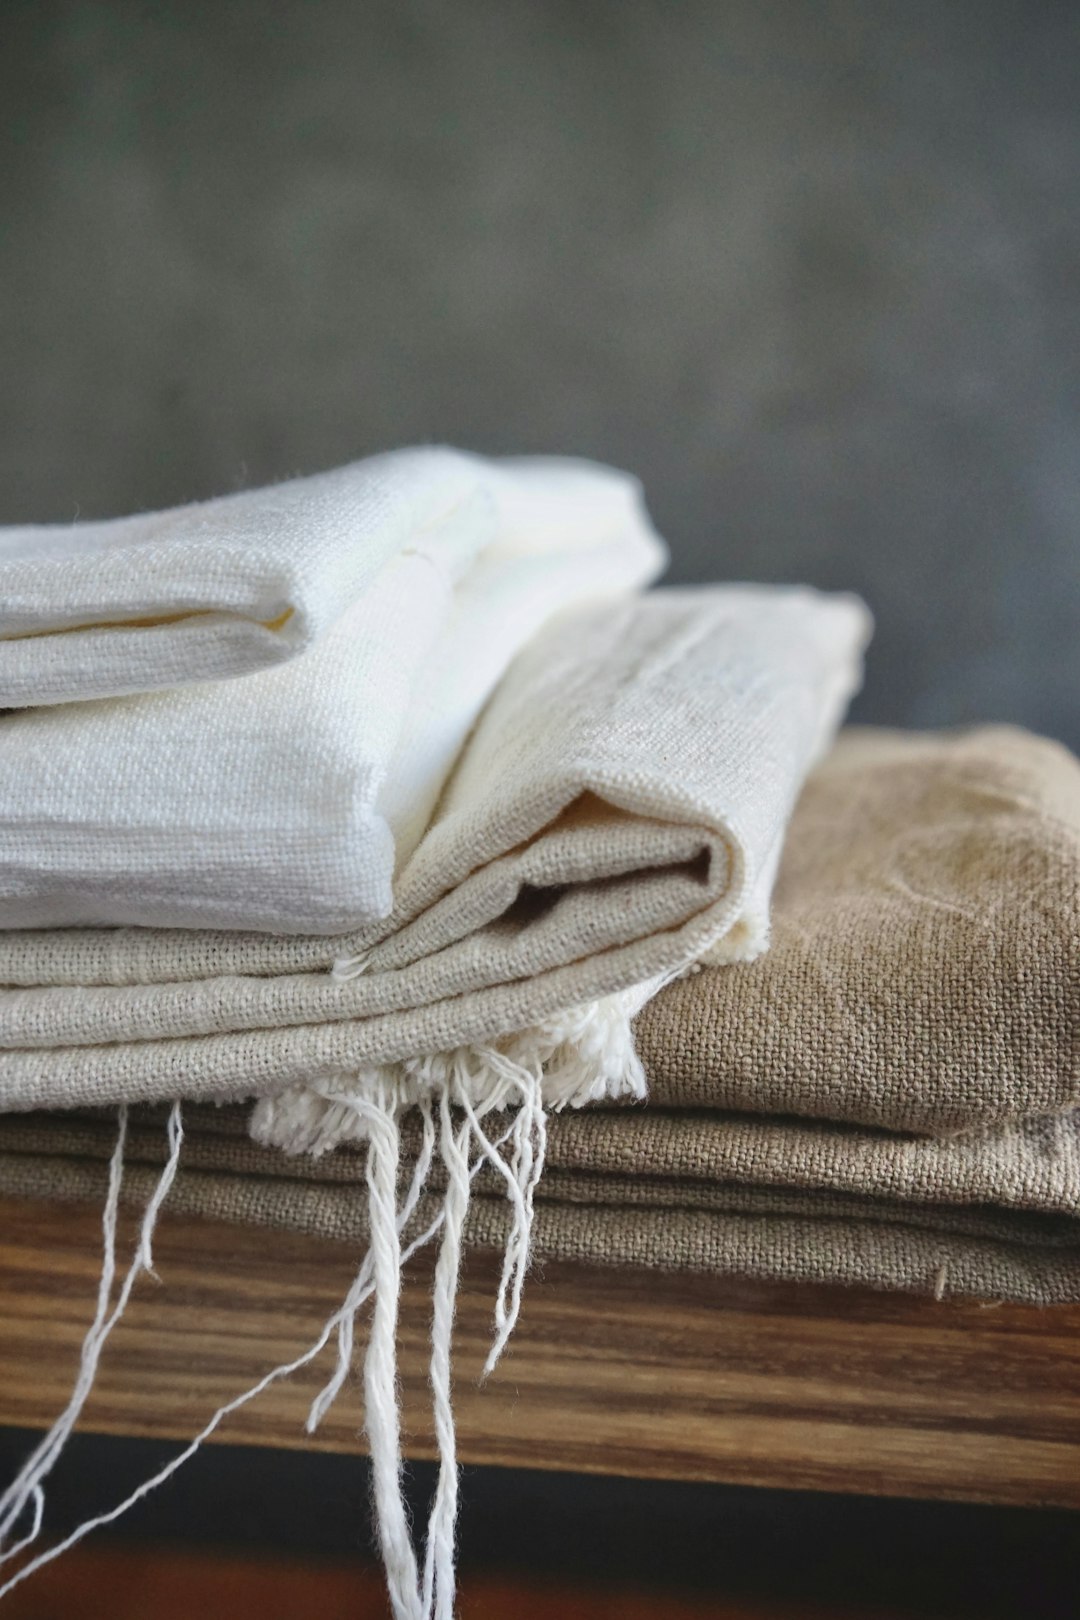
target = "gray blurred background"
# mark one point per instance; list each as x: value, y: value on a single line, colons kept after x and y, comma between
x: 811, y: 269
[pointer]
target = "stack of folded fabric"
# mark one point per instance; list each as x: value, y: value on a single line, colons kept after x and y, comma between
x: 509, y: 869
x: 383, y: 801
x: 890, y: 1096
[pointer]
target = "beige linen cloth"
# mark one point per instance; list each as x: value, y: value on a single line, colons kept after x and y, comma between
x: 888, y: 1097
x: 617, y: 813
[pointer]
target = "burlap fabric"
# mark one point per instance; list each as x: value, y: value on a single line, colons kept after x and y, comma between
x: 801, y: 1202
x: 924, y: 972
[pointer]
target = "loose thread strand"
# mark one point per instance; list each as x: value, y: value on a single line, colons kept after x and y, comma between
x: 439, y: 1583
x: 99, y: 1521
x: 356, y: 1298
x: 45, y: 1453
x: 382, y: 1419
x: 378, y: 1275
x: 45, y: 1456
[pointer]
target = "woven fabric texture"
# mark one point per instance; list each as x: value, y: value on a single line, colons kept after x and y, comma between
x: 285, y: 801
x: 619, y: 811
x: 856, y: 1106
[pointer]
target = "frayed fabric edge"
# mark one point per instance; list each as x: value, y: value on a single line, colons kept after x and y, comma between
x: 478, y: 1105
x: 584, y: 1055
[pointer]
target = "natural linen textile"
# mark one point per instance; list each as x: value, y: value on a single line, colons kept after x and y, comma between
x: 992, y: 1216
x: 286, y: 800
x: 618, y: 812
x: 924, y: 975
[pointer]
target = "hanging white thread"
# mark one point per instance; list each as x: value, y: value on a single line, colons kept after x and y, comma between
x: 530, y: 1146
x: 520, y: 1176
x: 170, y: 1468
x: 174, y: 1132
x: 439, y: 1582
x: 347, y: 1329
x: 378, y: 1116
x: 379, y: 1274
x: 37, y: 1496
x: 45, y: 1455
x: 451, y: 1077
x: 382, y: 1419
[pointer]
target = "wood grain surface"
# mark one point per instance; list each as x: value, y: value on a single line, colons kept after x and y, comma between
x: 616, y: 1372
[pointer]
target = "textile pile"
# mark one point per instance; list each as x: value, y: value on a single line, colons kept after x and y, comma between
x: 378, y: 833
x: 888, y: 1097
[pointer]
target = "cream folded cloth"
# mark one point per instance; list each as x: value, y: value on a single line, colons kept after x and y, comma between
x: 284, y: 801
x: 619, y: 812
x: 225, y: 587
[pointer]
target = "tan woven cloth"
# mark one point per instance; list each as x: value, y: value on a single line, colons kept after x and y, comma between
x: 924, y: 976
x: 924, y: 972
x: 791, y: 1201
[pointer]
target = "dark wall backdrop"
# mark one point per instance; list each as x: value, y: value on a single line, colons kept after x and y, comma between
x: 812, y: 269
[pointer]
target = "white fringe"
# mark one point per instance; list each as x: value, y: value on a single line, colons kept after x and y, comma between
x: 27, y: 1484
x: 586, y: 1055
x: 356, y: 1297
x: 582, y: 1056
x: 354, y: 1301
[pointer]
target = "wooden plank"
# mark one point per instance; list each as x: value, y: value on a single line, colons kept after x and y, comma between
x: 610, y: 1371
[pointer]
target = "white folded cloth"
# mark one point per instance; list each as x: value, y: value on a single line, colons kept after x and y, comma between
x: 283, y: 801
x: 225, y: 587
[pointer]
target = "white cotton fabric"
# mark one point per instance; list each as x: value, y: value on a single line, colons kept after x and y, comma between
x: 226, y: 587
x: 616, y: 815
x: 283, y: 801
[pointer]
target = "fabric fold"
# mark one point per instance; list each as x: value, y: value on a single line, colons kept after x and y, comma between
x: 225, y: 587
x: 888, y: 1096
x: 286, y: 801
x: 618, y: 813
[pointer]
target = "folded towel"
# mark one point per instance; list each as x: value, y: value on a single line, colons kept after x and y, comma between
x: 283, y: 802
x: 619, y: 812
x: 229, y: 586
